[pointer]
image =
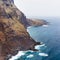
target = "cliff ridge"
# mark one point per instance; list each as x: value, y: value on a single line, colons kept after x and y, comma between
x: 13, y: 34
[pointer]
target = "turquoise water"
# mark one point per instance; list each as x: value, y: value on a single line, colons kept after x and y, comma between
x: 50, y: 36
x: 31, y: 55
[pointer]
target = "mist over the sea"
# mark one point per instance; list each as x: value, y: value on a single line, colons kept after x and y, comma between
x: 47, y: 8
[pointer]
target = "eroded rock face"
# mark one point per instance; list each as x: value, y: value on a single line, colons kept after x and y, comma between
x: 12, y: 11
x: 13, y: 35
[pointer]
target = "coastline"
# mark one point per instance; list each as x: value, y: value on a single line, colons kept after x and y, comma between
x: 37, y: 22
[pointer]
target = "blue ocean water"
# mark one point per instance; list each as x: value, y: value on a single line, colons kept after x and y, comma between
x: 50, y: 36
x: 31, y: 55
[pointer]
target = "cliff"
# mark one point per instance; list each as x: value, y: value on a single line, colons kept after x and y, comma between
x: 13, y: 12
x: 13, y: 35
x: 36, y: 22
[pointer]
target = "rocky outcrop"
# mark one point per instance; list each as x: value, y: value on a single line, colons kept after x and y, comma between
x: 13, y: 35
x: 36, y: 22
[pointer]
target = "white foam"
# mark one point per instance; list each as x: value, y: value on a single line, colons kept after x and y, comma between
x: 29, y: 27
x: 27, y: 30
x: 39, y: 46
x: 43, y: 54
x: 20, y: 53
x: 25, y: 53
x: 29, y: 51
x: 45, y: 25
x: 30, y: 56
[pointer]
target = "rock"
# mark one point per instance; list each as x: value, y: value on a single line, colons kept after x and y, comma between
x: 13, y: 12
x: 13, y: 35
x: 36, y: 22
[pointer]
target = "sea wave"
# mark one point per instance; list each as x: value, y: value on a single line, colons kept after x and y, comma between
x: 30, y: 55
x: 45, y: 25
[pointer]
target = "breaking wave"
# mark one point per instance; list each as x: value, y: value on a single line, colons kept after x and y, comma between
x: 31, y: 55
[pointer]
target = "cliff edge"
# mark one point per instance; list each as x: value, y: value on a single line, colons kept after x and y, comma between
x: 13, y: 35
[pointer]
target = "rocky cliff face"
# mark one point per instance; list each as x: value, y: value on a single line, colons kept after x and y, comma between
x: 13, y: 35
x: 12, y: 11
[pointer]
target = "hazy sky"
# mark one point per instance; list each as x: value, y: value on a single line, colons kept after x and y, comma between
x: 39, y: 7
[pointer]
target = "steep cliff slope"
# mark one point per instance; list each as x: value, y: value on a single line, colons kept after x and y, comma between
x: 13, y: 35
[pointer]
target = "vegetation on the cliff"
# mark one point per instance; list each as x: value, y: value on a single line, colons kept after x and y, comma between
x: 13, y: 35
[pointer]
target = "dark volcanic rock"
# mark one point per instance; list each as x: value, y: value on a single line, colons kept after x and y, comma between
x: 13, y: 35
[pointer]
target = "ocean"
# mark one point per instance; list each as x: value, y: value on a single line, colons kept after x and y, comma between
x: 49, y: 35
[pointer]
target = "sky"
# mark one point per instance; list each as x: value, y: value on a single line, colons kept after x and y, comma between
x: 39, y: 7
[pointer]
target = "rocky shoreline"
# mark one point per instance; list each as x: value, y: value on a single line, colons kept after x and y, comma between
x: 13, y: 34
x: 36, y: 22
